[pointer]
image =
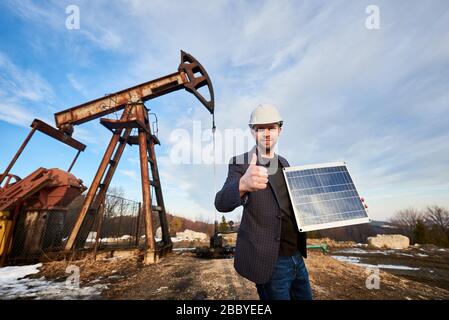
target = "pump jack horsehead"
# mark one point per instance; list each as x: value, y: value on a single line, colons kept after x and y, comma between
x: 191, y: 76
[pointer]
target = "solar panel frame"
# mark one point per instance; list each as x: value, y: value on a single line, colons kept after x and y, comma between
x: 304, y: 227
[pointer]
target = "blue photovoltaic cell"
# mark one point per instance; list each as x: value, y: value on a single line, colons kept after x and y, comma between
x: 324, y: 195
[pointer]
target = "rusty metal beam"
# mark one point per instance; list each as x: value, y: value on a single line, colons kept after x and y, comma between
x: 74, y: 160
x: 117, y: 101
x: 111, y: 170
x: 112, y: 124
x: 95, y: 184
x: 135, y: 139
x: 191, y: 76
x: 159, y: 198
x: 145, y: 180
x: 16, y: 156
x: 104, y: 185
x: 58, y: 135
x: 50, y: 131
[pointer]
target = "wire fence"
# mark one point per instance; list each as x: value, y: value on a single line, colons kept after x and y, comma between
x: 117, y: 224
x: 122, y: 225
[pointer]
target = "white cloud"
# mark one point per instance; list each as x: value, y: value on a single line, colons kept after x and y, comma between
x: 133, y: 175
x: 377, y: 99
x: 21, y: 90
x: 15, y: 114
x: 94, y: 27
x: 77, y: 85
x: 335, y: 85
x: 22, y: 84
x: 133, y: 160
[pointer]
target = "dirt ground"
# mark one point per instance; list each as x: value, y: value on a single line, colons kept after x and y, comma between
x: 183, y: 276
x: 333, y: 279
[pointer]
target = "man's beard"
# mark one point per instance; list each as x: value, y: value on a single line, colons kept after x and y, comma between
x: 263, y: 147
x: 267, y: 149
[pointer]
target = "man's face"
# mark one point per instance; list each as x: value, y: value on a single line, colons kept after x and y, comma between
x: 266, y: 135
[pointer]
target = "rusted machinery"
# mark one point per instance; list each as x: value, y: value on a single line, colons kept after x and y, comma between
x: 34, y: 207
x: 218, y: 246
x: 190, y: 76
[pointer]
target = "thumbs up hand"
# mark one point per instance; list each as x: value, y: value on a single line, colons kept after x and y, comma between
x: 255, y: 177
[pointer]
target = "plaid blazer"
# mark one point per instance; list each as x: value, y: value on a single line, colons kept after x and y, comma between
x: 258, y: 237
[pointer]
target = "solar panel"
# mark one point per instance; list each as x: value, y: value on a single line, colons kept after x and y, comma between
x: 324, y: 196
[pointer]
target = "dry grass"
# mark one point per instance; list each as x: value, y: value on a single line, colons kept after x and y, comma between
x: 183, y: 276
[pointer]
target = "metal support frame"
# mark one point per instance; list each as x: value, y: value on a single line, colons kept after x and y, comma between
x: 50, y: 131
x: 135, y: 116
x: 16, y: 156
x: 106, y: 163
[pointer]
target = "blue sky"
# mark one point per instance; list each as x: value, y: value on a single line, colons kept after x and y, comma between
x: 377, y: 99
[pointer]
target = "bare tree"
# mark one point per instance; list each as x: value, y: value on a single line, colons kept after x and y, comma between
x: 407, y: 220
x: 113, y: 200
x: 438, y: 216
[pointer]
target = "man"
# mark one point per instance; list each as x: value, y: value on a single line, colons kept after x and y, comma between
x: 269, y: 249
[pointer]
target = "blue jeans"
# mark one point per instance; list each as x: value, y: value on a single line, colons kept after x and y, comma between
x: 290, y: 281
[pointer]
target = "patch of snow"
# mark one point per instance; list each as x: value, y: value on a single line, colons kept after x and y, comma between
x: 366, y: 251
x: 406, y: 254
x: 396, y: 267
x: 8, y: 274
x: 183, y: 249
x: 353, y: 260
x: 422, y: 255
x: 352, y: 251
x: 92, y: 236
x: 14, y: 285
x: 361, y: 245
x: 356, y: 261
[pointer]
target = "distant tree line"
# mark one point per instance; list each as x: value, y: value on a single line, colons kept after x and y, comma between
x: 430, y: 225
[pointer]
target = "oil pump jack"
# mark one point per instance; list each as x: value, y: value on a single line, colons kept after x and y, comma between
x: 190, y: 75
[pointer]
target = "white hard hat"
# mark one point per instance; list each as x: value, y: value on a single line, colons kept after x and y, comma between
x: 265, y: 113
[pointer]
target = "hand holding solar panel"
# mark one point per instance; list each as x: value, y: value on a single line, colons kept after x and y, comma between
x: 324, y: 196
x: 255, y: 177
